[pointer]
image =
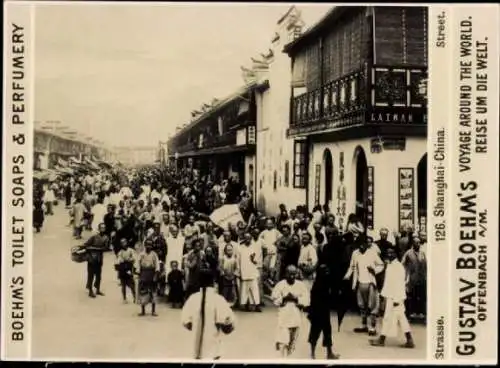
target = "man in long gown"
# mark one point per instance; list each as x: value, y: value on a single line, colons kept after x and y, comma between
x: 208, y: 315
x: 394, y: 291
x: 319, y: 313
x: 291, y: 296
x: 175, y: 244
x: 415, y: 264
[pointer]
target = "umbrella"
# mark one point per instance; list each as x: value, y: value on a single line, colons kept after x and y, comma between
x: 229, y: 213
x: 345, y: 291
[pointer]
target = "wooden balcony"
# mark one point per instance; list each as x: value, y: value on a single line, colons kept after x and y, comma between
x: 211, y: 145
x: 382, y: 95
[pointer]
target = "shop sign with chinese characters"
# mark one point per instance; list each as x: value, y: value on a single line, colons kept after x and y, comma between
x: 406, y: 197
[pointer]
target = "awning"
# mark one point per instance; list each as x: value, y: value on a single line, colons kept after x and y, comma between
x: 40, y: 175
x: 92, y: 164
x: 64, y: 170
x: 105, y: 165
x: 62, y: 162
x: 96, y: 159
x: 47, y: 174
x: 74, y: 160
x: 219, y: 150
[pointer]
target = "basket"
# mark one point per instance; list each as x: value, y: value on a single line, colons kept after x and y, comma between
x: 78, y: 254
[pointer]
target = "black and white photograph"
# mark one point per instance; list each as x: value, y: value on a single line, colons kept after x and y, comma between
x: 233, y: 182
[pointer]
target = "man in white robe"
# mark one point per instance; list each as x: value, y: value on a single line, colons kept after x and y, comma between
x: 249, y: 274
x: 291, y: 296
x: 155, y: 194
x: 48, y: 198
x: 394, y: 293
x: 165, y: 198
x: 125, y: 192
x: 146, y: 189
x: 209, y: 316
x: 165, y: 224
x: 99, y: 210
x: 269, y: 238
x: 308, y: 260
x: 175, y: 243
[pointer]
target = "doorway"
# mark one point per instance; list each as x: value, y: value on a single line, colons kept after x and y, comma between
x: 361, y: 185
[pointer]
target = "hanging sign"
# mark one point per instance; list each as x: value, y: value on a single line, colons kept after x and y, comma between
x: 317, y: 186
x: 370, y: 196
x: 406, y: 197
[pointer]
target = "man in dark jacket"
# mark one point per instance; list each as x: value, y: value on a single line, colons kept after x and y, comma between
x: 95, y: 247
x: 159, y: 242
x: 332, y: 256
x: 319, y: 313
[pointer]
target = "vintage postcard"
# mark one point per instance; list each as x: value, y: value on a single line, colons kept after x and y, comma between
x: 250, y: 182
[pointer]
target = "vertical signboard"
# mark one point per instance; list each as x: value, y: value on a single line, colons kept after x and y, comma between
x: 369, y: 199
x: 317, y: 184
x: 406, y: 197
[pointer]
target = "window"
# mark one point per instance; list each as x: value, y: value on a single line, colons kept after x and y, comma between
x: 275, y: 180
x: 287, y: 173
x: 299, y: 164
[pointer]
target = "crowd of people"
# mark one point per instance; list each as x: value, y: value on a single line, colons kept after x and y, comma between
x: 157, y: 222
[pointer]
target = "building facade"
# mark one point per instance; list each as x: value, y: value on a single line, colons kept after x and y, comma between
x: 274, y: 159
x: 51, y: 149
x: 220, y: 140
x: 359, y: 114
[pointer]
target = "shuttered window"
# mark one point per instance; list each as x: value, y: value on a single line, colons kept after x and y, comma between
x: 299, y: 164
x: 400, y: 35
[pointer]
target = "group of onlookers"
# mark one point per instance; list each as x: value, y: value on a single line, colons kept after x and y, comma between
x: 157, y: 223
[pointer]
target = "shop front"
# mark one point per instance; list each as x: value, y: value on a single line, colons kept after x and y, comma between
x: 383, y: 187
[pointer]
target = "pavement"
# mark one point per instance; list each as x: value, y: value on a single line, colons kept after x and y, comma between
x: 68, y: 325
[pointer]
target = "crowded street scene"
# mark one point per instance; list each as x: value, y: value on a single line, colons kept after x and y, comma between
x: 144, y: 238
x: 284, y: 221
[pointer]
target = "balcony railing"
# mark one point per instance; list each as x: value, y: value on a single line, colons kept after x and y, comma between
x: 398, y: 92
x: 331, y: 101
x: 226, y: 140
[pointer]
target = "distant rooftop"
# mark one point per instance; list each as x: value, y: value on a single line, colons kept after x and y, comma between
x: 221, y: 103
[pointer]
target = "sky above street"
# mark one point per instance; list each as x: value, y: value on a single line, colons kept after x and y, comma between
x: 128, y: 74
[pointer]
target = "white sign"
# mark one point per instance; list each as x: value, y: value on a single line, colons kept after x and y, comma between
x: 241, y: 137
